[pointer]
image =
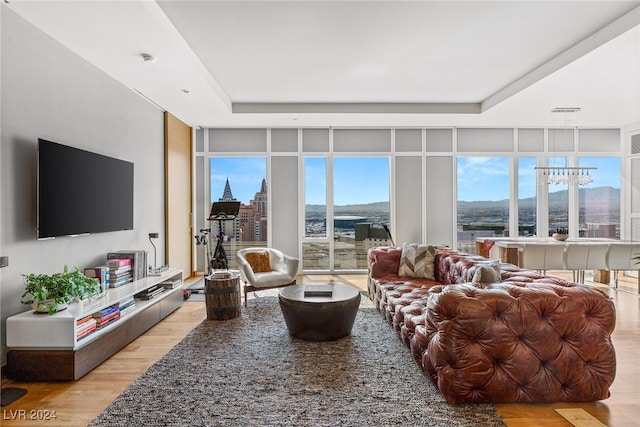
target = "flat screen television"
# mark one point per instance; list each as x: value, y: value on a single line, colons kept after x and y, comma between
x: 80, y: 192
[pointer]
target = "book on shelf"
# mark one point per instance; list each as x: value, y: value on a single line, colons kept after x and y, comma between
x: 84, y: 319
x: 171, y: 283
x: 101, y: 273
x: 116, y: 282
x: 121, y: 271
x: 118, y: 262
x: 128, y: 309
x: 126, y: 303
x: 86, y: 332
x: 102, y: 321
x: 138, y: 261
x: 119, y: 275
x: 150, y: 293
x: 105, y: 311
x: 90, y: 320
x: 88, y: 325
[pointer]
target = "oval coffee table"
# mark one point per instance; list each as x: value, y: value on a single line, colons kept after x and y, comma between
x: 318, y: 317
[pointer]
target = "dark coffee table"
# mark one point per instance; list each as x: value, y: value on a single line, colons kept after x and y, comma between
x: 319, y: 318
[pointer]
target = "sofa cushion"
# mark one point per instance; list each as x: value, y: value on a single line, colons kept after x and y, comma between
x: 485, y: 274
x: 259, y: 261
x: 271, y: 278
x: 491, y: 271
x: 417, y: 260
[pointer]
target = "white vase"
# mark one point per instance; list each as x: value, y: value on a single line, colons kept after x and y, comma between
x: 43, y: 306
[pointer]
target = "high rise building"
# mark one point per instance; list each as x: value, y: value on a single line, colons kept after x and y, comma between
x: 250, y: 224
x: 247, y: 218
x: 260, y: 200
x: 231, y: 231
x: 260, y: 203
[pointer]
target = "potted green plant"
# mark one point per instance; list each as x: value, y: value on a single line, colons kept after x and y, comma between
x: 51, y: 293
x: 560, y: 234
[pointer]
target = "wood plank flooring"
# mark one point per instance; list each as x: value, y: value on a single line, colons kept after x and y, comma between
x: 77, y: 403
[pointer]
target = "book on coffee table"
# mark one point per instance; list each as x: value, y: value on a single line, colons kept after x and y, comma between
x: 318, y: 291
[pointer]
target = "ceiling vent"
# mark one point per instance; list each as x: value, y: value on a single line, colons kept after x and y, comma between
x: 566, y: 110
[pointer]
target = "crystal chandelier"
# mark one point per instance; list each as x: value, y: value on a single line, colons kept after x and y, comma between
x: 565, y: 174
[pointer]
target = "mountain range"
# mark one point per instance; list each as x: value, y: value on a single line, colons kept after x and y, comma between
x: 605, y: 195
x: 367, y: 207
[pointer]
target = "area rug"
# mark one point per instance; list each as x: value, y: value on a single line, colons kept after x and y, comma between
x: 249, y: 371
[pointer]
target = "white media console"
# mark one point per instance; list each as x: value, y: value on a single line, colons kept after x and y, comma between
x: 45, y: 347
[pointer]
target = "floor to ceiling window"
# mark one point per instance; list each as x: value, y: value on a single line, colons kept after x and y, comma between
x: 344, y: 187
x: 527, y: 197
x: 599, y: 202
x: 558, y: 201
x: 483, y: 199
x: 341, y: 224
x: 241, y: 179
x: 315, y: 247
x: 360, y: 206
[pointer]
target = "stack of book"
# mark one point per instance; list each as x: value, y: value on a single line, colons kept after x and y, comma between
x: 100, y: 273
x: 318, y: 291
x: 150, y: 293
x: 85, y: 326
x: 127, y: 306
x: 171, y: 283
x: 120, y: 271
x: 138, y: 261
x: 106, y: 316
x: 220, y: 274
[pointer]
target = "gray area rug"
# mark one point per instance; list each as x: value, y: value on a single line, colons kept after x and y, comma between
x: 248, y: 371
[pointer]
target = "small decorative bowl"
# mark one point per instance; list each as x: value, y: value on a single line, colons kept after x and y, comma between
x: 560, y: 237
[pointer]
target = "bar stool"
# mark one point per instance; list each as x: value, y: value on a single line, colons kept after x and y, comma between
x: 542, y: 256
x: 620, y: 258
x: 582, y: 256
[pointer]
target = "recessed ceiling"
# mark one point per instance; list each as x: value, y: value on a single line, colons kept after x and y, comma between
x: 362, y: 63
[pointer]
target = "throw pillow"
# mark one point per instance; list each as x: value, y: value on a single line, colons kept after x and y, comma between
x: 417, y: 261
x: 259, y: 261
x: 485, y: 274
x: 495, y: 274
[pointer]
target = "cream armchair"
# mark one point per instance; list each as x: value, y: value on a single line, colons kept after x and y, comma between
x: 265, y: 268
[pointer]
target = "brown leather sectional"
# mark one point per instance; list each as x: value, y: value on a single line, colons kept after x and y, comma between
x: 527, y: 338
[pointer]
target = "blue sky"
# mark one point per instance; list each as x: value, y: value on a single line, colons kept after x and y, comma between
x: 356, y: 179
x: 360, y: 180
x: 366, y: 180
x: 487, y: 178
x: 245, y: 176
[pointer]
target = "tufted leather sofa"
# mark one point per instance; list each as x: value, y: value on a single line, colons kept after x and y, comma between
x: 527, y: 338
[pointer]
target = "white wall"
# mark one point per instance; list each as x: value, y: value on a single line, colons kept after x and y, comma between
x: 49, y: 92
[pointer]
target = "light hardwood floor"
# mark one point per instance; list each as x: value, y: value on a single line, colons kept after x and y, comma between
x: 77, y: 403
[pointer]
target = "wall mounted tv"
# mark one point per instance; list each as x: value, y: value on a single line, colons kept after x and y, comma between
x: 80, y: 192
